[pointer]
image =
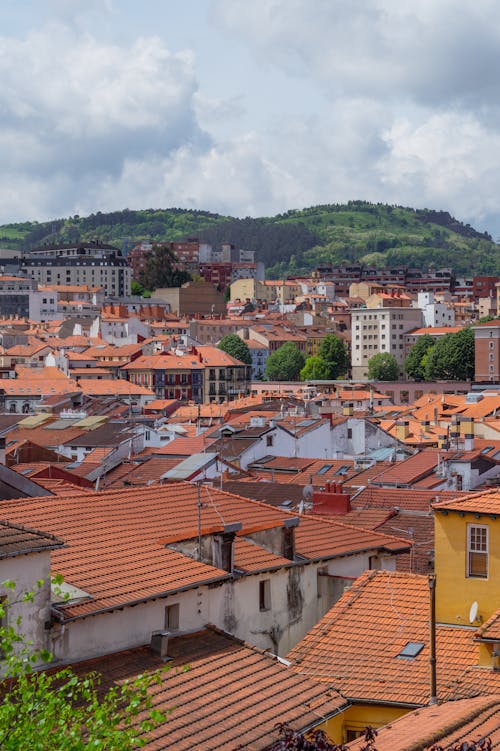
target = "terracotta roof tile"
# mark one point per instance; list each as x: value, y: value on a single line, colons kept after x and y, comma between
x: 443, y: 725
x: 355, y: 646
x: 116, y: 540
x: 242, y: 707
x: 483, y: 502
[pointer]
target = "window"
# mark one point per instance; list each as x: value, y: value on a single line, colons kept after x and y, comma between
x: 411, y: 650
x: 265, y: 594
x: 477, y: 551
x: 269, y: 440
x: 492, y: 345
x: 172, y: 617
x: 349, y: 433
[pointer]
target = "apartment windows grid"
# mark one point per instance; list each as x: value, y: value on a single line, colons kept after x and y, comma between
x: 477, y: 551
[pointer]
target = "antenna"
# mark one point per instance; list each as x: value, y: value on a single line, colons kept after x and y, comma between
x: 473, y: 612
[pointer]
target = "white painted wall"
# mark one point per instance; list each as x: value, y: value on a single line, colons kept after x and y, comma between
x: 25, y: 571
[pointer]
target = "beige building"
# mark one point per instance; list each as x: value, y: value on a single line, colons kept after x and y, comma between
x: 193, y: 298
x: 377, y: 330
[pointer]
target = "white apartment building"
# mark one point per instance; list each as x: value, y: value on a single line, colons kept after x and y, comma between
x: 377, y: 330
x: 435, y: 314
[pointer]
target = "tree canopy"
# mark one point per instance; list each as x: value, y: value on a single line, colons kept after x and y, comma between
x: 452, y: 357
x: 285, y: 363
x: 415, y: 362
x: 333, y: 351
x: 383, y: 367
x: 160, y: 270
x: 315, y: 369
x: 236, y: 347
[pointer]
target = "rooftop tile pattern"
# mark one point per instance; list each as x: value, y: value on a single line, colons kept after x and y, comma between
x: 355, y: 646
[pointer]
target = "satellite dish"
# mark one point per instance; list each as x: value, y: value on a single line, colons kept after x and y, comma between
x: 473, y: 612
x: 307, y: 493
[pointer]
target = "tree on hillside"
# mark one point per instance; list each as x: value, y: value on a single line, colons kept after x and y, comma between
x: 315, y: 369
x: 334, y: 352
x: 383, y: 367
x: 60, y: 710
x: 415, y: 362
x: 452, y: 357
x: 160, y: 270
x: 285, y: 364
x: 236, y: 347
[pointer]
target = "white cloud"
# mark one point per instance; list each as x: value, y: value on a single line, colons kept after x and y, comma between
x: 73, y: 106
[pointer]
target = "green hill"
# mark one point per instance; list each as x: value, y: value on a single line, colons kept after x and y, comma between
x: 294, y: 242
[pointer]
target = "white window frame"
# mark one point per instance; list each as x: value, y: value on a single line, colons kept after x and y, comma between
x: 478, y: 546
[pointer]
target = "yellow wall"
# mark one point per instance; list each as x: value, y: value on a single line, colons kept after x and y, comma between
x: 242, y: 289
x: 455, y: 592
x: 358, y: 717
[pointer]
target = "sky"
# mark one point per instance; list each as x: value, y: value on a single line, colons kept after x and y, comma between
x: 249, y: 108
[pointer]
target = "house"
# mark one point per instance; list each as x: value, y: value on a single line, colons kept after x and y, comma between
x: 226, y: 699
x: 25, y: 560
x: 373, y: 645
x: 178, y: 556
x: 169, y: 375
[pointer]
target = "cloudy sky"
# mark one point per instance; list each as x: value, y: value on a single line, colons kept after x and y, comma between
x: 249, y: 107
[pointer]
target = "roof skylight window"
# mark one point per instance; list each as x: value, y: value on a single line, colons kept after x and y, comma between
x: 411, y: 650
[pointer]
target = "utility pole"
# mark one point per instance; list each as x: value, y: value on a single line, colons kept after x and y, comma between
x: 432, y: 658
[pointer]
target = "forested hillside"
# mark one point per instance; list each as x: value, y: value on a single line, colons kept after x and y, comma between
x: 289, y: 243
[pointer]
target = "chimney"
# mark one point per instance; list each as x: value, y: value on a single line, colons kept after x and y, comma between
x: 224, y: 547
x: 331, y: 500
x: 402, y: 430
x: 467, y: 430
x: 289, y: 537
x: 159, y: 644
x: 348, y: 409
x: 2, y: 450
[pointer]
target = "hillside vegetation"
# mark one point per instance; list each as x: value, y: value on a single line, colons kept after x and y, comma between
x: 294, y: 242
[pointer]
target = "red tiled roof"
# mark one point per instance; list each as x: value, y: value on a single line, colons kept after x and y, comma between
x: 185, y: 446
x: 117, y: 540
x: 448, y: 725
x: 240, y: 709
x: 483, y: 503
x: 355, y: 646
x: 410, y: 470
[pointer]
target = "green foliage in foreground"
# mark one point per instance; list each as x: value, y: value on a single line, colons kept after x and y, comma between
x: 61, y: 711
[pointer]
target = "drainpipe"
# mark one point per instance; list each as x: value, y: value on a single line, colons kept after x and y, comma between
x: 432, y: 658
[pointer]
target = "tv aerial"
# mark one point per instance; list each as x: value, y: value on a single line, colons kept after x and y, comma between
x: 473, y: 612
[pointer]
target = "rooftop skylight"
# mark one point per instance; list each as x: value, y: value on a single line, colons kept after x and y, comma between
x: 411, y: 650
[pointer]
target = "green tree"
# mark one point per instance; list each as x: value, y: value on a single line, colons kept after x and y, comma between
x: 315, y: 369
x: 236, y: 347
x: 62, y: 711
x: 417, y: 356
x: 160, y: 269
x: 452, y: 357
x: 285, y: 364
x: 383, y: 367
x: 334, y: 352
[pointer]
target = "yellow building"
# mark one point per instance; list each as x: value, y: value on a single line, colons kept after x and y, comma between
x: 373, y: 646
x: 467, y: 542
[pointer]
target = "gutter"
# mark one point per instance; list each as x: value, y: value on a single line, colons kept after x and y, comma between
x: 132, y: 603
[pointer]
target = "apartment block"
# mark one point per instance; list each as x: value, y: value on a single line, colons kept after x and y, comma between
x: 377, y: 330
x: 487, y: 349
